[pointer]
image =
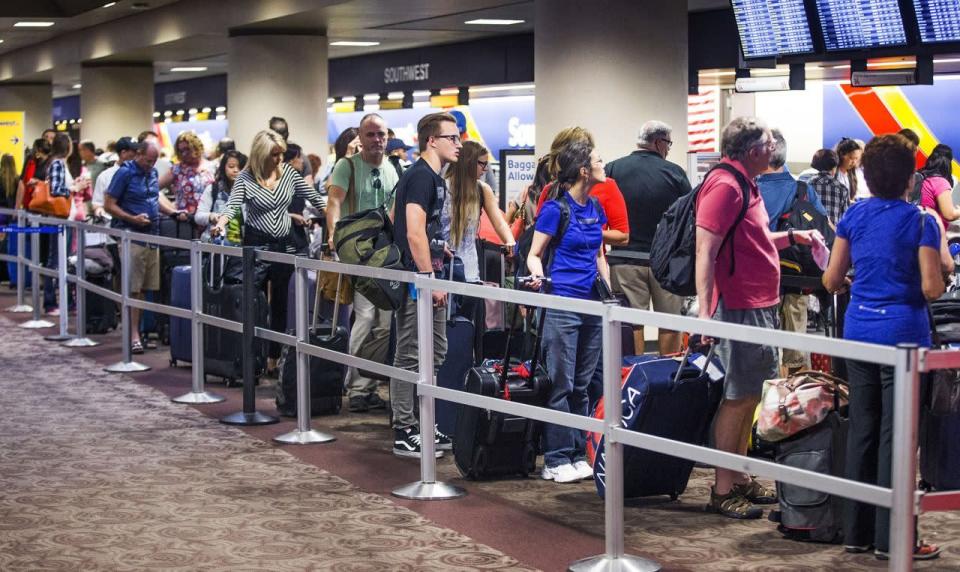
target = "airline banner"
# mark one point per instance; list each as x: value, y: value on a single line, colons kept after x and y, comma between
x: 11, y: 136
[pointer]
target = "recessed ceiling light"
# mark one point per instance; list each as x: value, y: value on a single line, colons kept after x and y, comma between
x: 77, y: 85
x: 1, y: 41
x: 189, y: 69
x: 33, y: 24
x: 493, y: 22
x: 109, y: 4
x: 355, y: 44
x: 220, y: 109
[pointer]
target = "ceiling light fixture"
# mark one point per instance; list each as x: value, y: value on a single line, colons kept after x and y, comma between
x: 356, y: 44
x: 33, y: 24
x: 189, y: 69
x: 220, y: 109
x: 1, y: 41
x: 206, y: 110
x: 77, y: 85
x: 493, y: 22
x: 109, y: 4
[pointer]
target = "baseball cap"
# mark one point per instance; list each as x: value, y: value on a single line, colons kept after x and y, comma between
x: 396, y: 143
x: 126, y: 144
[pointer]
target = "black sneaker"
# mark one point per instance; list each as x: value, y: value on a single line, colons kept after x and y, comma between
x: 406, y: 443
x: 443, y: 443
x: 358, y: 404
x: 374, y: 401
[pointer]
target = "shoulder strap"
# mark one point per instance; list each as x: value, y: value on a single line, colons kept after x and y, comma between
x: 745, y: 189
x: 352, y: 186
x: 802, y: 191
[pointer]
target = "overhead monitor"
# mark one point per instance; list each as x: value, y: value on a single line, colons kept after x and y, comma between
x: 772, y: 28
x: 861, y: 24
x: 939, y: 20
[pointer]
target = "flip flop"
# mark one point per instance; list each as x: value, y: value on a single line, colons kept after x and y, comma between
x: 136, y: 348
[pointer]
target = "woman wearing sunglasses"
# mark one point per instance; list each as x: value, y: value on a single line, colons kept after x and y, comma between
x: 189, y: 176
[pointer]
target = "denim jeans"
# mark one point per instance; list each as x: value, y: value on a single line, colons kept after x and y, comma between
x: 571, y: 345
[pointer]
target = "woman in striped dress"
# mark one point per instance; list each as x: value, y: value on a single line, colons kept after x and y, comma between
x: 265, y: 188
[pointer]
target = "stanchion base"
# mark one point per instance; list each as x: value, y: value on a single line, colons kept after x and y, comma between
x: 255, y: 418
x: 126, y: 367
x: 58, y: 337
x: 37, y: 324
x: 308, y: 437
x: 80, y: 343
x: 428, y: 491
x: 604, y: 563
x: 196, y: 397
x: 20, y: 308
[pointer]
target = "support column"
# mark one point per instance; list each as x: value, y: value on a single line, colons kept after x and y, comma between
x: 35, y: 100
x: 115, y: 100
x: 278, y: 74
x: 609, y: 66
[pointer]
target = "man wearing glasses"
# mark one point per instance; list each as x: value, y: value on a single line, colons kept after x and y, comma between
x: 361, y: 182
x: 650, y: 184
x: 418, y: 234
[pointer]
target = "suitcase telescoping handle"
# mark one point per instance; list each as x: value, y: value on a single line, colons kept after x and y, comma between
x: 694, y: 342
x: 213, y: 264
x: 535, y: 360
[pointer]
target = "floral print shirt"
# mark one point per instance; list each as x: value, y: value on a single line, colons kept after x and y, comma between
x: 189, y: 183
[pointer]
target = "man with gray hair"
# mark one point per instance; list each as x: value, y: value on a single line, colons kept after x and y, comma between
x: 650, y: 184
x: 738, y: 281
x: 779, y: 191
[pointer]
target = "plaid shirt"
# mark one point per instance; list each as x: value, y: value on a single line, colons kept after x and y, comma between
x: 57, y: 178
x: 835, y: 197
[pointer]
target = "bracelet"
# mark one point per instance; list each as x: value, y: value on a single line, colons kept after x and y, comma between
x: 793, y: 241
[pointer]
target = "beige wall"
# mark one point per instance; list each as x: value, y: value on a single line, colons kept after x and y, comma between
x: 115, y: 101
x: 35, y: 100
x: 610, y: 65
x: 284, y: 76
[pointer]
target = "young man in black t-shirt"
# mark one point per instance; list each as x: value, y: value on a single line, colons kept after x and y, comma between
x: 419, y: 201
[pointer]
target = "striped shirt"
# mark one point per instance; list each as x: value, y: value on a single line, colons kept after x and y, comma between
x: 266, y: 210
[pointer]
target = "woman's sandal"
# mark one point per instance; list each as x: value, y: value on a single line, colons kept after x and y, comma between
x: 136, y: 348
x: 922, y: 551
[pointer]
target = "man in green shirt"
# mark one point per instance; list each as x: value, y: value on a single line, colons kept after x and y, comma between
x: 361, y: 182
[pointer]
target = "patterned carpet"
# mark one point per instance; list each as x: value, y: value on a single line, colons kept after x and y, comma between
x: 100, y: 473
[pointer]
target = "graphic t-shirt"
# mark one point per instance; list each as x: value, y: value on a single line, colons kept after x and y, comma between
x: 420, y: 185
x: 573, y: 269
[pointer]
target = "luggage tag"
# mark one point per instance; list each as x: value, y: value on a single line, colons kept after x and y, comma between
x: 713, y: 372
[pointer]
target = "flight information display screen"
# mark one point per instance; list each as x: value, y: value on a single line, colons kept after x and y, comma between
x: 939, y: 20
x: 769, y: 28
x: 861, y: 24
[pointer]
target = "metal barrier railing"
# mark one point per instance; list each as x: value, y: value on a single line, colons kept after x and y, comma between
x: 902, y: 498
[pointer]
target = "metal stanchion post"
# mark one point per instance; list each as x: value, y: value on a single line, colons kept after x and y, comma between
x: 127, y: 365
x: 614, y: 560
x: 20, y: 307
x: 249, y: 415
x: 63, y: 305
x: 37, y: 322
x: 906, y: 392
x: 303, y: 434
x: 427, y: 488
x: 197, y: 394
x: 81, y: 340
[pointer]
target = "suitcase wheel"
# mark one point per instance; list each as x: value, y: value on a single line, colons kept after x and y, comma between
x: 479, y: 463
x: 173, y: 363
x: 674, y: 496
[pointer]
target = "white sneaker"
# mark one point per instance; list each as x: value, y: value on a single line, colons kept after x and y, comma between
x: 561, y: 474
x: 583, y: 469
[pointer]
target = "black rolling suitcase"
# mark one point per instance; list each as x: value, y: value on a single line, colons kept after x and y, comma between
x: 326, y: 377
x: 222, y: 349
x: 460, y: 346
x: 101, y: 313
x: 493, y: 444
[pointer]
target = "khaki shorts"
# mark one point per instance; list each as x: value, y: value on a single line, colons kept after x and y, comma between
x: 793, y: 318
x: 640, y: 287
x: 144, y: 268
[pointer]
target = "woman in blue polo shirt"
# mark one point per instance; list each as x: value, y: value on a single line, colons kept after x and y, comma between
x: 571, y: 342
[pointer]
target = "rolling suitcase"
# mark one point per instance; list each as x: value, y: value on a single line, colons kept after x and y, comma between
x: 326, y: 377
x: 655, y: 389
x: 939, y: 421
x: 493, y: 444
x: 181, y: 337
x: 101, y: 312
x: 460, y: 340
x: 222, y: 349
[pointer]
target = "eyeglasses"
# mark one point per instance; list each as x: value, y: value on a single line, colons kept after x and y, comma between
x: 483, y: 164
x: 455, y: 139
x: 668, y: 142
x: 377, y: 184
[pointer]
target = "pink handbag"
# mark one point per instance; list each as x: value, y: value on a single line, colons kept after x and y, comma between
x: 790, y: 405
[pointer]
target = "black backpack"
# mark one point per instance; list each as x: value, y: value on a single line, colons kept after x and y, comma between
x: 526, y: 238
x: 674, y: 248
x: 797, y: 260
x: 916, y: 194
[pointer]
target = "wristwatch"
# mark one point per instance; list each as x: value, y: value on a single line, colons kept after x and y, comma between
x: 793, y: 241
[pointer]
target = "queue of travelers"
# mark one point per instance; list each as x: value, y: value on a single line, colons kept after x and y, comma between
x: 592, y: 234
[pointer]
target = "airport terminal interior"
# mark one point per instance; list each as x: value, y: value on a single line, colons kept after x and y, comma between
x: 237, y: 236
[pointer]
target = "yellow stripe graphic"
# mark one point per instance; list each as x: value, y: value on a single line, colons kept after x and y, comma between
x: 905, y: 114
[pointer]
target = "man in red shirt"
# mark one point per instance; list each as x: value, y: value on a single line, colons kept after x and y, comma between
x: 738, y: 281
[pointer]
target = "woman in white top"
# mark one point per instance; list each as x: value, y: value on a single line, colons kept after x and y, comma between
x: 216, y: 195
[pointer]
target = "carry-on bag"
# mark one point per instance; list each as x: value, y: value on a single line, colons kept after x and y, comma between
x: 181, y: 336
x: 671, y: 397
x: 494, y: 444
x: 940, y: 407
x: 326, y: 377
x: 453, y: 371
x: 222, y: 348
x: 101, y: 312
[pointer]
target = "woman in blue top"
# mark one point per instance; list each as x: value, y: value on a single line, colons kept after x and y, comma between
x: 896, y: 251
x: 571, y: 342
